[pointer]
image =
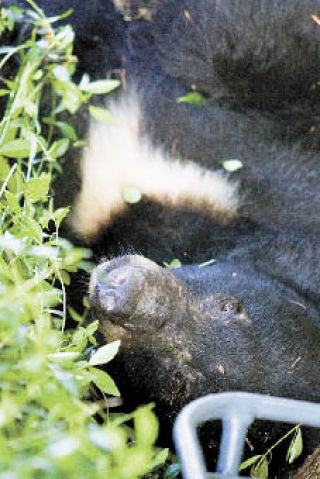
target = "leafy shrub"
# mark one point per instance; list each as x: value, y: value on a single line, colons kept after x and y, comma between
x: 47, y: 423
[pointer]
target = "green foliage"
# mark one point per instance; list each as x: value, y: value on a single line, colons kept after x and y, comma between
x: 260, y: 463
x: 175, y: 263
x: 193, y: 98
x: 47, y: 423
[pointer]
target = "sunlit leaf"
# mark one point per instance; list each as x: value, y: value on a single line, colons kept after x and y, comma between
x: 101, y: 86
x: 146, y: 426
x: 260, y: 469
x: 37, y: 188
x: 232, y: 165
x: 63, y: 356
x: 249, y: 462
x: 194, y: 98
x: 175, y: 263
x: 105, y: 354
x: 16, y: 149
x: 104, y: 382
x: 101, y: 114
x: 173, y: 471
x: 131, y: 194
x: 296, y: 447
x: 207, y: 263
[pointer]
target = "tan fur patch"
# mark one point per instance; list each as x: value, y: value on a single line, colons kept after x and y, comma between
x: 117, y: 156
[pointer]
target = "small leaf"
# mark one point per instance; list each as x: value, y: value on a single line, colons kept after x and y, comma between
x: 207, y: 263
x: 62, y: 356
x: 65, y: 276
x: 131, y: 194
x: 75, y: 315
x: 30, y: 227
x: 61, y: 72
x: 296, y: 447
x: 13, y: 202
x: 105, y: 354
x: 194, y: 98
x: 160, y: 457
x: 37, y: 188
x: 16, y: 149
x: 146, y: 426
x: 101, y: 86
x: 175, y: 263
x: 72, y: 98
x: 60, y: 214
x: 92, y: 327
x: 104, y: 382
x: 99, y: 438
x: 101, y: 114
x: 249, y: 462
x: 232, y: 165
x: 260, y: 469
x: 63, y: 447
x: 66, y: 129
x: 173, y: 471
x: 60, y: 147
x: 86, y: 302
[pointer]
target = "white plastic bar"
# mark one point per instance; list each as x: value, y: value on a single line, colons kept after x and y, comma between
x: 237, y: 411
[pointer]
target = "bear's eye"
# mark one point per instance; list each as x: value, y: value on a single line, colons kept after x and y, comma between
x: 232, y: 305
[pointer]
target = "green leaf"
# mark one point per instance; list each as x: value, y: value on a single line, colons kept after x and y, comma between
x: 61, y: 72
x: 104, y: 382
x: 249, y: 462
x: 92, y: 327
x: 175, y: 263
x: 13, y: 202
x: 75, y: 315
x: 105, y: 354
x: 86, y: 302
x: 37, y: 188
x: 131, y: 194
x: 63, y: 356
x: 173, y: 471
x: 101, y: 86
x: 260, y: 469
x: 66, y: 129
x: 296, y: 447
x: 72, y: 98
x: 16, y: 149
x: 146, y: 426
x: 60, y: 214
x: 31, y: 228
x: 101, y: 114
x: 65, y: 276
x: 194, y: 98
x: 160, y: 457
x: 207, y: 263
x: 232, y: 165
x: 60, y: 147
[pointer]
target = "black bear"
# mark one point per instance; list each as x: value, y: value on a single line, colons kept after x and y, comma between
x: 250, y: 321
x: 242, y: 310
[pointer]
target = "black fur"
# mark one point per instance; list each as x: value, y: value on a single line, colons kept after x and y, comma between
x: 256, y: 63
